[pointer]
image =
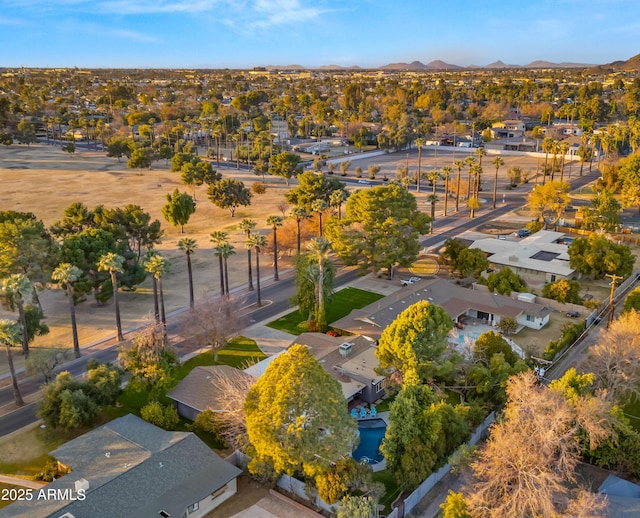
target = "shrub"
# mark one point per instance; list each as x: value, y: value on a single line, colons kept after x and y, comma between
x: 163, y: 416
x: 51, y: 471
x: 534, y: 226
x: 259, y: 188
x: 207, y: 421
x: 563, y: 291
x: 569, y: 334
x: 508, y: 325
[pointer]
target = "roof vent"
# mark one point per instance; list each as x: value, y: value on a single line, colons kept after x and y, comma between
x: 82, y: 483
x: 66, y: 515
x: 107, y: 454
x: 345, y: 348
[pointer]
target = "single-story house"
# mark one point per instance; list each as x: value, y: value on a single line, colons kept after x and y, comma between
x: 350, y: 360
x: 457, y: 301
x: 543, y: 256
x: 197, y: 392
x: 131, y: 468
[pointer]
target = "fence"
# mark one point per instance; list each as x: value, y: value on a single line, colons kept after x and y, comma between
x: 299, y: 488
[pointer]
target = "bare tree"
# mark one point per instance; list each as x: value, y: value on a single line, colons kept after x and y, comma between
x: 44, y: 361
x: 213, y: 323
x: 614, y: 360
x: 527, y: 467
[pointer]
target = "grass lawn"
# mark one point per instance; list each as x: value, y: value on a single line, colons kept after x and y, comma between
x: 632, y: 412
x: 5, y: 502
x: 391, y: 486
x: 341, y: 304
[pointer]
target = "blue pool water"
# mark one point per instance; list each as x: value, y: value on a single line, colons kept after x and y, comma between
x: 371, y: 434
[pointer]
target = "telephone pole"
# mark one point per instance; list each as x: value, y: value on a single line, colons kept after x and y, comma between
x: 613, y: 278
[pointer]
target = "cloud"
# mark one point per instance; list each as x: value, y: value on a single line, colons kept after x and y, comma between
x: 126, y: 7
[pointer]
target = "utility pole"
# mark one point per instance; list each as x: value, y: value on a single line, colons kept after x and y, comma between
x: 613, y: 278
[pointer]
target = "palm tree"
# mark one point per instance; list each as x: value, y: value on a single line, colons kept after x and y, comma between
x: 299, y: 213
x: 66, y: 274
x: 225, y: 250
x: 555, y: 149
x: 188, y: 246
x: 274, y: 222
x: 14, y: 292
x: 157, y: 265
x: 459, y: 164
x: 336, y: 199
x: 472, y: 201
x: 547, y: 145
x: 480, y: 152
x: 564, y: 149
x: 113, y: 263
x: 319, y: 206
x: 433, y: 199
x: 10, y: 337
x: 319, y: 249
x: 248, y: 225
x: 497, y: 161
x: 419, y: 144
x: 446, y: 173
x: 471, y: 163
x: 219, y: 238
x: 257, y: 242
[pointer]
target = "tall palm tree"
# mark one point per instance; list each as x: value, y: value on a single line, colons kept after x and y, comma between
x: 225, y: 250
x: 10, y: 337
x: 555, y: 149
x: 257, y: 242
x: 274, y: 222
x: 15, y: 289
x: 319, y: 249
x: 336, y: 199
x: 471, y: 163
x: 497, y: 161
x: 446, y: 174
x: 419, y: 144
x: 158, y: 265
x: 113, y: 263
x: 319, y: 206
x: 66, y: 274
x: 480, y: 152
x: 432, y: 199
x: 299, y: 213
x: 218, y: 238
x: 247, y: 225
x: 547, y: 145
x: 564, y: 149
x: 459, y: 164
x: 188, y: 246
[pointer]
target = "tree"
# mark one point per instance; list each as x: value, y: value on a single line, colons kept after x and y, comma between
x: 630, y: 175
x: 118, y: 147
x: 472, y: 261
x: 44, y: 361
x: 188, y: 246
x: 229, y: 194
x: 528, y: 463
x: 344, y: 167
x: 158, y: 265
x: 285, y: 164
x: 604, y: 213
x: 179, y: 208
x: 419, y: 144
x: 357, y: 507
x: 318, y: 251
x: 247, y: 225
x: 497, y: 161
x: 66, y: 274
x: 257, y: 242
x: 304, y: 427
x: 455, y: 506
x: 597, y: 256
x: 11, y: 336
x: 548, y: 201
x: 12, y: 296
x: 67, y: 404
x: 632, y: 300
x: 446, y: 174
x: 563, y: 290
x: 141, y: 158
x: 313, y: 188
x: 415, y: 341
x: 274, y: 222
x: 299, y: 213
x: 380, y: 229
x: 148, y: 359
x: 613, y: 359
x: 505, y: 281
x: 490, y: 343
x: 112, y: 263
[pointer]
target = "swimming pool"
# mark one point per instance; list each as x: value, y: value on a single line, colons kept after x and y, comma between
x: 371, y: 434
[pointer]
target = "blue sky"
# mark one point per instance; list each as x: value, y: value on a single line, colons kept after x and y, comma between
x: 368, y: 33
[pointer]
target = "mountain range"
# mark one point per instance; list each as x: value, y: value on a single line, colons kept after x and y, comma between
x: 630, y: 64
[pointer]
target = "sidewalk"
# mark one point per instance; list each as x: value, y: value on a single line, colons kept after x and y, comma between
x: 22, y: 482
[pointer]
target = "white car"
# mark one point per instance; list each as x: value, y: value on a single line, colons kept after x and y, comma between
x: 406, y: 282
x: 364, y: 182
x: 414, y: 279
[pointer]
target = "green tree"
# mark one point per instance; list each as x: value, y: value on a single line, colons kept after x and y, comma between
x: 357, y: 507
x: 247, y: 225
x: 112, y: 263
x: 285, y: 164
x: 563, y: 290
x: 597, y: 256
x: 65, y: 275
x: 313, y: 187
x: 141, y: 158
x: 472, y: 261
x: 548, y: 201
x: 11, y: 336
x: 490, y: 343
x: 380, y: 229
x: 299, y: 214
x: 229, y: 194
x: 497, y: 161
x: 305, y: 426
x: 158, y: 265
x: 630, y: 175
x: 306, y: 285
x: 119, y: 147
x: 632, y: 301
x: 415, y: 341
x: 257, y: 242
x: 505, y: 281
x: 455, y: 506
x: 604, y: 213
x: 274, y: 222
x: 164, y: 416
x: 13, y: 293
x: 179, y: 208
x: 188, y: 246
x: 318, y: 251
x: 219, y: 238
x: 66, y: 403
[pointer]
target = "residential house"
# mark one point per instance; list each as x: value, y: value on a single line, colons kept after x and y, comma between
x: 541, y: 257
x: 460, y: 303
x: 131, y: 468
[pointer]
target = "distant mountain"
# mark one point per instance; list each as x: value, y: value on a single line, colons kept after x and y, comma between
x: 500, y: 64
x: 338, y: 67
x: 630, y: 64
x: 441, y: 65
x: 285, y: 67
x: 548, y: 64
x: 418, y: 65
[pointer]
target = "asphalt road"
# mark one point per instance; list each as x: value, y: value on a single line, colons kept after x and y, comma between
x: 277, y: 295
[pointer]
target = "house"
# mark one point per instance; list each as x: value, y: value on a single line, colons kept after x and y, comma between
x: 131, y: 468
x: 458, y: 302
x: 197, y: 392
x: 543, y: 256
x: 351, y: 362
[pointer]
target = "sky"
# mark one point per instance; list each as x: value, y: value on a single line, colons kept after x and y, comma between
x: 311, y: 33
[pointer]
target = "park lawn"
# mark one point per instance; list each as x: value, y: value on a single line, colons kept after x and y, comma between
x: 340, y: 305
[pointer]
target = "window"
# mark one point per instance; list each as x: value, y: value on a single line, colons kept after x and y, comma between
x: 380, y: 386
x: 530, y: 318
x: 193, y: 508
x: 164, y: 514
x: 219, y: 491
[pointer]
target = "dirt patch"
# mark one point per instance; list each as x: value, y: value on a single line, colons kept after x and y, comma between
x: 249, y: 493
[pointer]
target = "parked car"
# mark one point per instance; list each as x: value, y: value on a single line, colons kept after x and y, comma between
x: 406, y: 282
x: 364, y: 182
x: 573, y: 314
x: 415, y: 279
x: 523, y: 232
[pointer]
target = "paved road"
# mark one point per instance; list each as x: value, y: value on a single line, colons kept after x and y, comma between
x: 276, y: 295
